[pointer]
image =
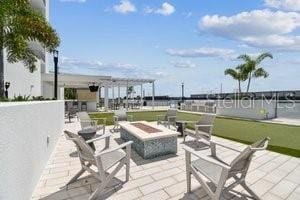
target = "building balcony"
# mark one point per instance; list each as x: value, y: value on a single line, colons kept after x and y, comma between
x: 39, y: 5
x: 38, y: 49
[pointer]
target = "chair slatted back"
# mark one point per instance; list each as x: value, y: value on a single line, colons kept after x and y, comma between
x: 121, y: 114
x: 84, y: 150
x: 85, y: 120
x: 241, y: 162
x: 206, y: 120
x: 170, y: 113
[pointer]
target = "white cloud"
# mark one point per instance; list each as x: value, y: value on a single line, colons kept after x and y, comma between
x: 184, y: 64
x: 75, y: 1
x: 69, y: 63
x: 124, y: 7
x: 203, y: 52
x: 292, y: 5
x: 259, y: 28
x: 166, y: 9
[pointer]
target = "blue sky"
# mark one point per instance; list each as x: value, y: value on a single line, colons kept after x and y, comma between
x: 190, y: 41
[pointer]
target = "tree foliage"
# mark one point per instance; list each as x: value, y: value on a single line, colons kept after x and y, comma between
x: 19, y: 24
x: 70, y: 93
x: 251, y: 66
x: 238, y: 74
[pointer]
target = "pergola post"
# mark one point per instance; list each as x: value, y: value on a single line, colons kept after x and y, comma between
x: 119, y: 99
x: 99, y: 94
x: 141, y: 96
x: 105, y: 98
x: 153, y: 94
x: 127, y: 95
x: 113, y: 94
x: 61, y: 93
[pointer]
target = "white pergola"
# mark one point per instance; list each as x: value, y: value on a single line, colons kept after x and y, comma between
x: 108, y: 82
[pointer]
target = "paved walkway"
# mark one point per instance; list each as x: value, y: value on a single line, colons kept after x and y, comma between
x: 272, y: 176
x: 282, y: 120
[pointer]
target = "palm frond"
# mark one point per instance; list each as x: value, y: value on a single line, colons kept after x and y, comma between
x: 231, y: 72
x: 244, y: 57
x: 21, y: 23
x: 263, y: 56
x: 260, y: 72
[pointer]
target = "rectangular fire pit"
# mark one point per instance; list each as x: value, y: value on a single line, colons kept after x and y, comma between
x: 149, y: 140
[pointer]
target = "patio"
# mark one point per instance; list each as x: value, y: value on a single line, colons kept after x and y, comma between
x: 271, y: 175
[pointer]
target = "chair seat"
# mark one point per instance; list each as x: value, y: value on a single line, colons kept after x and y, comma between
x: 110, y: 159
x: 209, y: 170
x: 193, y: 133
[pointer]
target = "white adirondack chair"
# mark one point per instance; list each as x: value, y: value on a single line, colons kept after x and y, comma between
x: 216, y: 171
x: 103, y: 160
x: 168, y: 119
x: 120, y: 115
x: 203, y: 128
x: 87, y: 122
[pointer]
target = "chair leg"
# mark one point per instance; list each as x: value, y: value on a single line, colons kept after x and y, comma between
x: 98, y: 191
x: 107, y: 140
x: 188, y: 172
x: 75, y: 177
x: 128, y: 156
x: 245, y: 186
x: 127, y: 171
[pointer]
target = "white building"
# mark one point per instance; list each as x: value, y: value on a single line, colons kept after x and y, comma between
x: 22, y: 82
x: 40, y: 82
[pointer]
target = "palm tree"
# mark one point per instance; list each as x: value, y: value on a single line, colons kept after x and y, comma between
x: 130, y: 91
x: 19, y: 24
x: 252, y: 68
x: 238, y: 74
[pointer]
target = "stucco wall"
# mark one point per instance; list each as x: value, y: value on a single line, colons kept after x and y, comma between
x: 251, y: 109
x: 24, y: 150
x: 22, y: 82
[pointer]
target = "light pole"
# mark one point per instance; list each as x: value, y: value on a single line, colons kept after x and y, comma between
x: 182, y: 92
x: 55, y: 58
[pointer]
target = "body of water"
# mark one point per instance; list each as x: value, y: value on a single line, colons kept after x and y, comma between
x: 289, y: 110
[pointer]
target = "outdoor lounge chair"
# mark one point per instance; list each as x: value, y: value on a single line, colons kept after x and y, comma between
x: 121, y: 115
x: 218, y: 172
x: 168, y: 119
x: 103, y: 160
x: 203, y: 128
x: 70, y: 113
x: 87, y: 122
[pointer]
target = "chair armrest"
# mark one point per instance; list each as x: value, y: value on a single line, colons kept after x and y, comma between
x: 126, y: 144
x: 203, y: 125
x: 206, y: 158
x: 130, y: 118
x: 214, y: 143
x: 99, y: 138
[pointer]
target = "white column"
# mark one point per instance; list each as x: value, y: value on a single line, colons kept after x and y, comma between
x: 61, y: 93
x: 99, y: 93
x: 153, y: 94
x: 105, y: 97
x: 127, y: 95
x: 119, y: 99
x: 113, y: 96
x: 141, y: 96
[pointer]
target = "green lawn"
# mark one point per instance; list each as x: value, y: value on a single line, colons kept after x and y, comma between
x: 284, y: 138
